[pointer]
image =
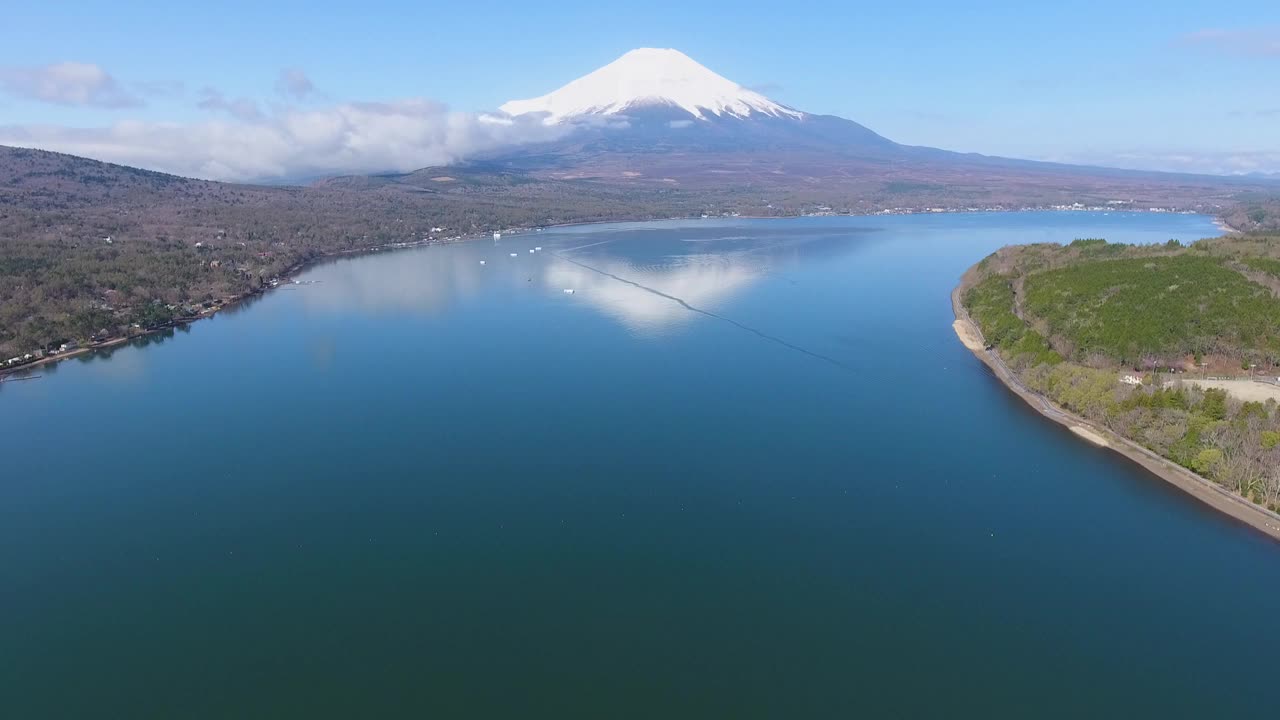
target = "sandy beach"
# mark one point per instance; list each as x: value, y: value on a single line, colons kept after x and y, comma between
x: 1198, y: 487
x: 1090, y: 435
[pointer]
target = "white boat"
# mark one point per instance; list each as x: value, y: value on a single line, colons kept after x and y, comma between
x: 531, y: 251
x: 497, y: 236
x: 481, y: 262
x: 538, y: 248
x: 568, y: 291
x: 513, y: 255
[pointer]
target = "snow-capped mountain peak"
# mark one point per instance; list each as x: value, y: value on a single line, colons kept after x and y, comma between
x: 650, y: 77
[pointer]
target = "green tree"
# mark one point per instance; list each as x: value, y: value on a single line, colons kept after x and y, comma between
x: 1214, y: 405
x: 1206, y: 460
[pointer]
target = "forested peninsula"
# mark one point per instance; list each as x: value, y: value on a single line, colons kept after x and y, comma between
x: 1167, y: 351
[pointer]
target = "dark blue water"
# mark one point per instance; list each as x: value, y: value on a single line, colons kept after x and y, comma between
x: 745, y: 470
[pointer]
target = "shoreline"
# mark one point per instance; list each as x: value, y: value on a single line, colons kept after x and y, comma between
x: 1225, y: 227
x: 299, y: 267
x: 231, y: 302
x: 1202, y: 489
x: 286, y: 274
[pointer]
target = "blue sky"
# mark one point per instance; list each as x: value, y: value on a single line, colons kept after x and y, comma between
x: 1181, y: 85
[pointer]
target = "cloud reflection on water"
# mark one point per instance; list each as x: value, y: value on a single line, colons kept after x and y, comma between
x: 414, y: 281
x: 653, y: 278
x: 649, y: 279
x: 704, y: 281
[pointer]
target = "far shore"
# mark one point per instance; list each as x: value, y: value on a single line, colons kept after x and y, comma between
x: 284, y: 276
x: 338, y: 254
x: 1200, y: 488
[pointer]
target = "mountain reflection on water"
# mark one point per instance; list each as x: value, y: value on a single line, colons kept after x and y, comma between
x: 638, y: 276
x: 425, y: 487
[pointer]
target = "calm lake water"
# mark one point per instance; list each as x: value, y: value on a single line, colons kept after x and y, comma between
x: 744, y: 470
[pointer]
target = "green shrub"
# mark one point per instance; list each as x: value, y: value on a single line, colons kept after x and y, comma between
x: 1206, y: 460
x: 990, y: 304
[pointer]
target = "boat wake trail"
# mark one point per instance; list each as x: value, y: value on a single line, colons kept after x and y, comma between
x: 583, y: 247
x: 708, y: 313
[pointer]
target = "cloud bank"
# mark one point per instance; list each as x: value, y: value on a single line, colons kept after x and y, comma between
x: 1260, y: 162
x: 66, y: 83
x: 290, y: 142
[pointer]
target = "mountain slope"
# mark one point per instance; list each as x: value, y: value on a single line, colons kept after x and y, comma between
x: 657, y: 116
x: 661, y: 100
x: 648, y: 78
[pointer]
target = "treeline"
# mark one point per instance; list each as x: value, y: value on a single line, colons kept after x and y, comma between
x: 1071, y: 320
x: 1258, y: 215
x: 1233, y: 443
x: 991, y: 304
x: 1155, y: 307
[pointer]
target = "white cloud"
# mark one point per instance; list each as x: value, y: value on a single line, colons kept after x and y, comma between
x: 66, y: 83
x: 650, y: 305
x: 239, y: 108
x: 294, y: 83
x: 291, y: 142
x: 1180, y: 161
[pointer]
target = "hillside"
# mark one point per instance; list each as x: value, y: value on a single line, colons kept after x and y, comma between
x: 88, y: 249
x: 1091, y: 301
x: 1119, y: 334
x: 1255, y: 213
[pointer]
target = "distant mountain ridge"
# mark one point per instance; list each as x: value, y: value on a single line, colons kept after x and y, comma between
x: 657, y: 116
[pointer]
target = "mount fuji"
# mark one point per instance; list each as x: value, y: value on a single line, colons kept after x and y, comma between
x: 655, y: 120
x: 661, y: 99
x: 647, y: 79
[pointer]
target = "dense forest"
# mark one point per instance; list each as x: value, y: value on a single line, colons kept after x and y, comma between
x: 1070, y: 320
x: 1158, y: 308
x: 1214, y: 303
